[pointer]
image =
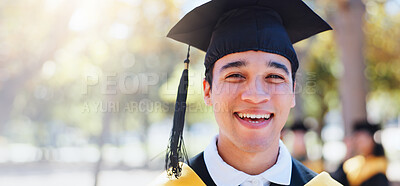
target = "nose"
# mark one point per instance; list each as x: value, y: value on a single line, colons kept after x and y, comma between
x: 256, y: 92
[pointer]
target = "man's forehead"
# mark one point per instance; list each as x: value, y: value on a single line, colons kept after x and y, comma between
x: 242, y: 59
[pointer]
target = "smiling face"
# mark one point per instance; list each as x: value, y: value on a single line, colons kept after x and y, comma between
x: 363, y: 143
x: 252, y: 94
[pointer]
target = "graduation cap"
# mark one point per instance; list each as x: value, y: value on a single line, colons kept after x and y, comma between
x: 222, y: 27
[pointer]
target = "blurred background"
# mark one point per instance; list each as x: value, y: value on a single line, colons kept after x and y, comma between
x: 87, y: 88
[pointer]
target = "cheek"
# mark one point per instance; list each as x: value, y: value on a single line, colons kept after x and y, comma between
x: 223, y: 89
x: 362, y: 142
x: 282, y: 95
x: 224, y: 92
x: 366, y: 142
x: 222, y: 97
x: 280, y: 89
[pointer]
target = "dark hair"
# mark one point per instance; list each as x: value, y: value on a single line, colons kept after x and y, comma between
x: 209, y: 76
x: 365, y: 126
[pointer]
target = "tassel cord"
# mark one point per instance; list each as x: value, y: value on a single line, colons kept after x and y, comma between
x: 176, y: 151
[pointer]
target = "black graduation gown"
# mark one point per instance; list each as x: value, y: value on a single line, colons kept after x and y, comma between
x: 300, y: 174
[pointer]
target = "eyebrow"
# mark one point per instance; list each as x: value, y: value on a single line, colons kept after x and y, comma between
x: 234, y: 64
x: 278, y: 65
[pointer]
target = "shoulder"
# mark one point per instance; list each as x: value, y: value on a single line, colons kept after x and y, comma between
x: 301, y: 175
x: 188, y: 177
x: 323, y: 179
x: 193, y: 174
x: 378, y: 179
x: 197, y: 160
x: 340, y: 175
x: 198, y: 165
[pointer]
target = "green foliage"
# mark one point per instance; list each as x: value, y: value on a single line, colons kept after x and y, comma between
x: 65, y: 64
x: 382, y: 33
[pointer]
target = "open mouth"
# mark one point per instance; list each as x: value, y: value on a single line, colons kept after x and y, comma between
x: 254, y: 118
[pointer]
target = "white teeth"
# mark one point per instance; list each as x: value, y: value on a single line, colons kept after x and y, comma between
x: 254, y: 116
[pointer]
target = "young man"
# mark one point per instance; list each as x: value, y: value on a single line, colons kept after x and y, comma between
x: 250, y: 83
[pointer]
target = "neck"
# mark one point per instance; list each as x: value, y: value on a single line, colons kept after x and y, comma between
x: 253, y: 162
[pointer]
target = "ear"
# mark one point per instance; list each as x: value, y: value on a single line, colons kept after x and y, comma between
x: 207, y: 92
x: 294, y: 95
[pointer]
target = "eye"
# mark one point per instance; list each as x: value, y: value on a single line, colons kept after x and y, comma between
x: 275, y: 77
x: 234, y: 76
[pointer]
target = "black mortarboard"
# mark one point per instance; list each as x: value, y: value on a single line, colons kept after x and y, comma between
x: 366, y: 127
x: 222, y: 27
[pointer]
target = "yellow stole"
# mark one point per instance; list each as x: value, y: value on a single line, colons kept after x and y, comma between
x: 359, y: 168
x: 189, y: 177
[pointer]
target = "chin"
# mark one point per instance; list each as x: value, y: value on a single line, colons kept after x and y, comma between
x: 255, y: 144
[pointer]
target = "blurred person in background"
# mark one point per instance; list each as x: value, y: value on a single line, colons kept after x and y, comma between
x: 368, y: 165
x: 299, y: 147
